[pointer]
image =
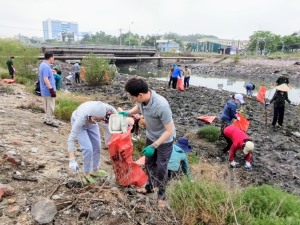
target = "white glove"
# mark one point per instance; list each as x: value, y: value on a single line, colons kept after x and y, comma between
x: 73, y: 165
x: 247, y: 165
x: 233, y: 163
x: 238, y: 118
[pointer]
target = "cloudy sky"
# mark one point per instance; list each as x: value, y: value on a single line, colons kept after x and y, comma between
x: 232, y: 19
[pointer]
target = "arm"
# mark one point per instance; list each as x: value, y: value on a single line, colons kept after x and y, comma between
x: 77, y: 125
x: 134, y: 110
x: 274, y: 98
x: 248, y: 157
x: 169, y: 132
x: 233, y: 112
x: 286, y: 98
x: 185, y: 167
x: 232, y: 152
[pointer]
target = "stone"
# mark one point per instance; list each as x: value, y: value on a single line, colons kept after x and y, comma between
x: 11, y: 200
x: 13, y: 211
x: 14, y: 159
x: 34, y: 150
x: 43, y: 210
x: 7, y: 189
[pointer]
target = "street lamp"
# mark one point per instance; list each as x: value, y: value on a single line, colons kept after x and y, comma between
x: 129, y: 32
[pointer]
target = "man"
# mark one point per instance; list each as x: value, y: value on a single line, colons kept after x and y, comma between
x: 47, y: 87
x: 10, y: 67
x: 76, y: 69
x: 160, y: 131
x: 187, y: 75
x: 237, y: 140
x: 170, y: 74
x: 176, y: 73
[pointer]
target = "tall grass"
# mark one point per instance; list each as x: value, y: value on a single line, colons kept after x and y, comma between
x: 210, y: 133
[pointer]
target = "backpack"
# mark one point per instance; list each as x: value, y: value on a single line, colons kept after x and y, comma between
x: 37, y: 89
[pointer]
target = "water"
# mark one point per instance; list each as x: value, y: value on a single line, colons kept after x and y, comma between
x: 228, y: 84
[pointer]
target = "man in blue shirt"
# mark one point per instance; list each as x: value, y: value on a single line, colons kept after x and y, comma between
x: 48, y: 88
x: 175, y: 75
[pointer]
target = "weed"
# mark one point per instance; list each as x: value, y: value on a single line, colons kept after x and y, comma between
x: 138, y: 146
x: 64, y: 108
x: 6, y: 89
x: 32, y: 106
x: 210, y: 133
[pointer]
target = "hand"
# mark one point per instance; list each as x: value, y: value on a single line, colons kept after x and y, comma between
x: 73, y: 165
x: 238, y: 118
x: 125, y: 114
x: 52, y: 92
x: 267, y: 103
x: 234, y: 163
x: 247, y: 165
x: 148, y: 151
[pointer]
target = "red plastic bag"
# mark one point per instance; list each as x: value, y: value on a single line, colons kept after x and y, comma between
x: 8, y: 81
x: 141, y: 161
x: 261, y: 94
x: 208, y: 119
x: 243, y: 124
x: 126, y: 171
x: 180, y: 85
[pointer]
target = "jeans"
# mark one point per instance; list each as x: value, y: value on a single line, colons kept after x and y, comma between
x: 174, y: 82
x: 157, y: 167
x: 77, y: 77
x: 186, y: 82
x: 249, y: 91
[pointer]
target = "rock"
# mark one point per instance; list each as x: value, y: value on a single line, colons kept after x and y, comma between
x: 7, y: 189
x: 34, y: 150
x: 14, y: 159
x: 11, y: 200
x: 43, y: 210
x: 13, y: 211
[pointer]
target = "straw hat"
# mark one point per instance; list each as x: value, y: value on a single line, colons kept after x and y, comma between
x: 283, y: 87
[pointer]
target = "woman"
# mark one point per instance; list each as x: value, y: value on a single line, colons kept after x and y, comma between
x: 230, y: 109
x: 85, y: 129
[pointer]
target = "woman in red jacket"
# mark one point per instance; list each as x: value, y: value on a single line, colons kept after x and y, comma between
x: 237, y: 140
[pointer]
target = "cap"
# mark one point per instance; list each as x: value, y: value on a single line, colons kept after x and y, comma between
x: 239, y: 97
x: 249, y: 147
x: 183, y: 143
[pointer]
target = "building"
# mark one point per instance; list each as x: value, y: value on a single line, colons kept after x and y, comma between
x: 167, y: 46
x: 218, y: 45
x: 53, y: 29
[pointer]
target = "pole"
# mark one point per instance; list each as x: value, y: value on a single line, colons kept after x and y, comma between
x: 120, y: 37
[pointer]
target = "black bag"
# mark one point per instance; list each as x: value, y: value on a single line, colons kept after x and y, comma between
x: 37, y: 89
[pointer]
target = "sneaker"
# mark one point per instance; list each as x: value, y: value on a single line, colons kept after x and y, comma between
x: 88, y: 180
x: 99, y: 173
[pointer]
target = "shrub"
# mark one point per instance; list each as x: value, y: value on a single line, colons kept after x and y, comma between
x: 210, y: 133
x: 98, y: 71
x: 64, y: 108
x: 138, y: 146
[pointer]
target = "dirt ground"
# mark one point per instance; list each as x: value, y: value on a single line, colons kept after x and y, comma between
x: 42, y: 150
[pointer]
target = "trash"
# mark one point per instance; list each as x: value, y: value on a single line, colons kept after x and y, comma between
x: 208, y: 119
x: 117, y: 124
x: 43, y: 210
x: 297, y: 134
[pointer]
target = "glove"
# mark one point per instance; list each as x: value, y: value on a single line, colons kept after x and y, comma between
x: 148, y: 151
x: 52, y: 92
x: 73, y: 165
x: 125, y: 114
x: 267, y: 103
x: 238, y: 118
x: 247, y: 165
x: 233, y: 163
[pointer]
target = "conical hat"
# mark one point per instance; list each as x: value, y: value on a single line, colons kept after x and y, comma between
x: 283, y: 87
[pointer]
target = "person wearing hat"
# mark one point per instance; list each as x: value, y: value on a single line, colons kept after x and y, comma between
x: 230, y: 109
x: 283, y: 79
x: 10, y: 67
x: 85, y: 129
x: 178, y: 162
x: 237, y: 140
x: 279, y: 99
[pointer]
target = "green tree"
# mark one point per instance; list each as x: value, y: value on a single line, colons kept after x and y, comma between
x: 291, y: 42
x: 264, y: 41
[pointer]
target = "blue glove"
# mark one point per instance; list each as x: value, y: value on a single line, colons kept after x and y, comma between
x: 125, y: 114
x: 148, y: 151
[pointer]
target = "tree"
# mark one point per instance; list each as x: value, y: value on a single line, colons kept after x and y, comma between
x: 264, y: 41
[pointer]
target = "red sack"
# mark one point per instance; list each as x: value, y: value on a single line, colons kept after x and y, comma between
x: 261, y: 94
x: 126, y: 171
x: 180, y: 85
x: 8, y: 81
x: 208, y: 119
x: 243, y: 124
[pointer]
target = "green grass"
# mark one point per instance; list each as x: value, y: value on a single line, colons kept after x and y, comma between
x: 138, y: 146
x: 193, y: 158
x: 65, y: 107
x: 210, y: 133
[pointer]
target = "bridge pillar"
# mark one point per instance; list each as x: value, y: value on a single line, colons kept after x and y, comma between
x: 159, y: 63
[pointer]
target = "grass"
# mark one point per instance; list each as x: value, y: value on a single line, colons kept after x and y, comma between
x: 65, y: 107
x: 138, y: 146
x: 210, y: 133
x: 4, y: 88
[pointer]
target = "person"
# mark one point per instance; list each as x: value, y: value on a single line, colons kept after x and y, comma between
x: 57, y: 78
x: 178, y: 162
x: 170, y: 74
x: 76, y: 69
x: 10, y: 67
x: 230, y: 109
x: 82, y: 73
x: 47, y: 87
x: 279, y: 99
x: 187, y: 74
x: 283, y: 79
x: 85, y: 129
x: 160, y: 131
x: 237, y: 140
x: 176, y: 73
x: 249, y: 89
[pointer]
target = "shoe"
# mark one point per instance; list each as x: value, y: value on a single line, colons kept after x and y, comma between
x: 99, y: 173
x: 52, y: 124
x: 88, y: 180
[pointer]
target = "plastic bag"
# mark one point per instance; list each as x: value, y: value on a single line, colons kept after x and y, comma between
x: 180, y: 85
x: 126, y: 171
x: 208, y: 119
x: 243, y: 123
x: 261, y: 94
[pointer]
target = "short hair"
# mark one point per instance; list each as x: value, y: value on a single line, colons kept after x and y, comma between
x: 135, y: 86
x: 48, y: 55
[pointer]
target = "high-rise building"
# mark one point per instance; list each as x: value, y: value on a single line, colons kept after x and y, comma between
x: 52, y: 29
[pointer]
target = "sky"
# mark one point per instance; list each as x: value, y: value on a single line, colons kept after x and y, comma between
x: 228, y: 19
